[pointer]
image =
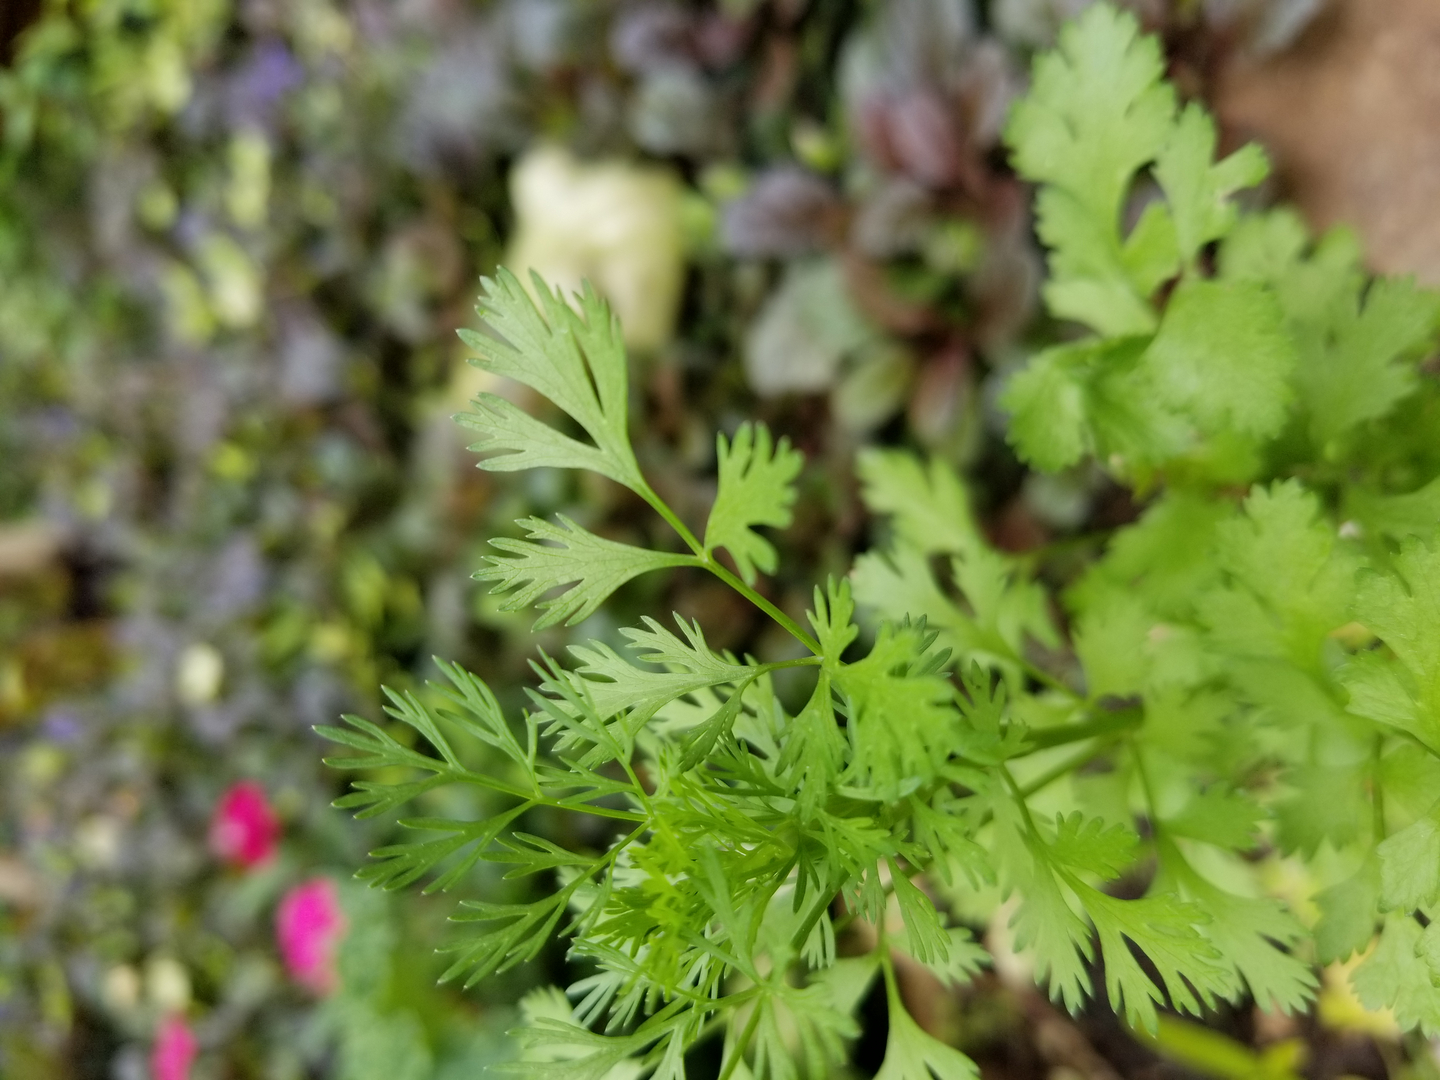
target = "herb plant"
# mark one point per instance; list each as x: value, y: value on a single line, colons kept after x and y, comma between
x: 1245, y: 677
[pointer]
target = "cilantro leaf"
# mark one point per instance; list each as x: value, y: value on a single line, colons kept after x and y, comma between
x: 1357, y: 371
x: 1290, y: 579
x: 1403, y: 608
x: 913, y: 1054
x: 1348, y: 913
x: 1395, y: 976
x: 1092, y: 397
x: 566, y: 554
x: 1197, y: 190
x: 1166, y: 930
x: 1089, y: 845
x: 1044, y: 923
x: 756, y: 488
x: 1223, y: 356
x: 901, y: 720
x: 1357, y: 338
x: 832, y: 617
x: 576, y: 359
x: 925, y: 937
x: 1252, y: 935
x: 814, y: 750
x: 612, y: 685
x: 1097, y: 111
x: 1219, y: 817
x: 929, y: 506
x: 1410, y: 865
x: 1397, y: 516
x: 1005, y: 605
x: 1048, y: 407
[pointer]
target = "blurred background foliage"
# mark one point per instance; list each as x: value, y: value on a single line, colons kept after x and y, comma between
x: 235, y: 239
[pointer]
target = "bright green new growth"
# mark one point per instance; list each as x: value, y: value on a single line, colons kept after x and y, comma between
x: 1240, y: 676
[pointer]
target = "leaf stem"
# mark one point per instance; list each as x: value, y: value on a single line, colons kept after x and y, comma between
x: 1044, y: 678
x: 661, y: 507
x: 708, y: 561
x: 741, y: 1043
x: 1069, y: 765
x: 1109, y: 722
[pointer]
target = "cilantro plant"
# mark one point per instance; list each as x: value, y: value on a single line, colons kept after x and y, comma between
x: 1239, y: 688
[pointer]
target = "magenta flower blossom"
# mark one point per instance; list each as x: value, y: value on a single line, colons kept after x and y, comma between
x: 244, y: 830
x: 309, y: 926
x: 174, y: 1051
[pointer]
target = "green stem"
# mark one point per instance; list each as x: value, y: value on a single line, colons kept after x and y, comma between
x: 1016, y: 791
x: 662, y: 508
x: 1157, y: 830
x: 1114, y: 722
x: 804, y: 661
x: 1045, y: 679
x: 1069, y: 765
x: 741, y: 1043
x: 535, y: 799
x: 706, y: 560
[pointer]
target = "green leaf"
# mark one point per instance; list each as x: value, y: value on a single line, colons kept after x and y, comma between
x: 1396, y: 977
x: 402, y: 864
x: 832, y: 616
x: 1291, y: 582
x: 756, y: 488
x: 926, y: 939
x: 1096, y: 112
x: 1253, y: 936
x: 1222, y: 355
x: 1403, y: 608
x: 1092, y: 397
x: 1199, y: 192
x: 700, y: 741
x: 1364, y: 364
x: 555, y: 1047
x: 912, y: 1054
x: 805, y: 1016
x: 1415, y: 513
x: 1166, y: 930
x: 929, y: 505
x: 986, y: 736
x: 1348, y: 914
x: 1163, y: 559
x: 1044, y: 922
x: 1089, y: 845
x: 901, y: 721
x: 962, y: 960
x: 519, y: 441
x: 1358, y: 339
x: 613, y: 685
x: 1410, y: 865
x: 813, y: 753
x: 1048, y: 407
x: 521, y: 931
x: 1005, y: 605
x: 574, y: 358
x: 565, y: 554
x: 1219, y: 817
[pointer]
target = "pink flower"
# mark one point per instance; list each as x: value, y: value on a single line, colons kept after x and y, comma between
x: 309, y: 926
x: 244, y: 830
x: 174, y: 1051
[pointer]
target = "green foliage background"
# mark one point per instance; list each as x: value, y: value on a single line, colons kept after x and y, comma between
x: 234, y: 240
